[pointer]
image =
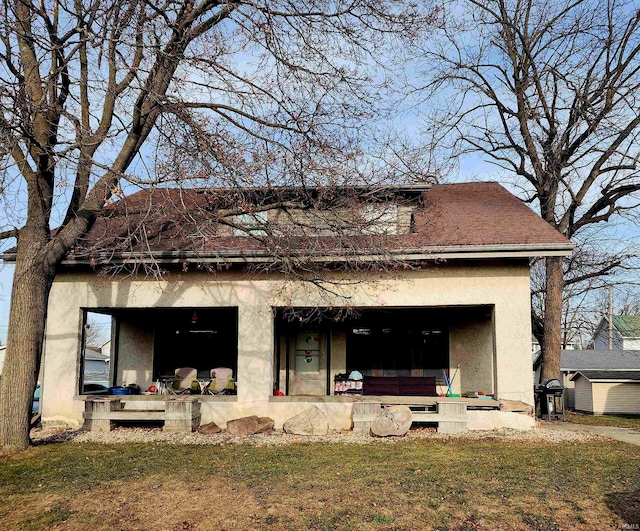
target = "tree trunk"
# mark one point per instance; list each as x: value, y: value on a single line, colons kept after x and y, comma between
x: 552, y: 343
x: 29, y: 299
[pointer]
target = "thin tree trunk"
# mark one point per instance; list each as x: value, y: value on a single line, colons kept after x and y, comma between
x: 29, y: 299
x: 552, y: 345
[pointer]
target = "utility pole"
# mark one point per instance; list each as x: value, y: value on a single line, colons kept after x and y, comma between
x: 610, y: 317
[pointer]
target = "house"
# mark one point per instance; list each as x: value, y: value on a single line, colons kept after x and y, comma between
x: 441, y: 282
x: 591, y: 361
x: 97, y: 360
x: 536, y: 349
x: 3, y: 349
x: 625, y: 333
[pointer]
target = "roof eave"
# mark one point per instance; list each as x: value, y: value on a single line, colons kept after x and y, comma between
x: 457, y: 252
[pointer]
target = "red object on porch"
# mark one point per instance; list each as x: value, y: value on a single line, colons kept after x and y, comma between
x: 399, y: 385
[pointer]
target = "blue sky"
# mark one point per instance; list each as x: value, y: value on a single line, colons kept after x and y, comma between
x: 6, y: 276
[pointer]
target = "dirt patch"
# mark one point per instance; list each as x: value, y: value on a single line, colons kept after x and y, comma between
x: 626, y: 505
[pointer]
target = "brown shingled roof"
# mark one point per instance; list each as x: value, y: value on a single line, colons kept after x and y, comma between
x: 466, y: 217
x: 482, y: 214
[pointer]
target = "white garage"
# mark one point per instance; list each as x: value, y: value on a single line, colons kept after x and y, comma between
x: 607, y: 392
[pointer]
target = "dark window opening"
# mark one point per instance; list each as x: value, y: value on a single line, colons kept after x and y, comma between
x: 399, y: 342
x: 199, y: 338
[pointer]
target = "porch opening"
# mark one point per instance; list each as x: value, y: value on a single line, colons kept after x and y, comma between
x: 398, y: 351
x: 145, y: 344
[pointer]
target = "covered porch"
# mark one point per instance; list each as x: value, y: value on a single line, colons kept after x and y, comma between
x: 403, y: 352
x: 409, y: 352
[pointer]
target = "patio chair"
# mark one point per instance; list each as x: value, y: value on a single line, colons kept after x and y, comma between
x: 221, y: 380
x: 185, y: 376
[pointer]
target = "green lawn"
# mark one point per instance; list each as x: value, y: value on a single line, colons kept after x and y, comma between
x: 420, y: 484
x: 618, y: 421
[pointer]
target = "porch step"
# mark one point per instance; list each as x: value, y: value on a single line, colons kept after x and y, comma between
x: 180, y: 414
x: 450, y: 416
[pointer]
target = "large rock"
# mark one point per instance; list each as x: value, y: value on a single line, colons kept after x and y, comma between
x: 392, y: 420
x: 310, y: 422
x: 250, y: 425
x: 209, y: 429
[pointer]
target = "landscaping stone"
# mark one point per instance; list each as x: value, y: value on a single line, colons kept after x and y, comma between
x: 310, y: 422
x: 209, y: 429
x: 250, y: 425
x: 392, y: 420
x: 266, y: 425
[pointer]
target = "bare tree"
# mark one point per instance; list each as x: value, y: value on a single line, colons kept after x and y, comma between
x: 548, y: 92
x: 595, y: 266
x: 96, y: 92
x: 96, y: 334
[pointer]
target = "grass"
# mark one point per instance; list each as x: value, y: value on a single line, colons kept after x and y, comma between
x: 618, y: 421
x: 438, y: 484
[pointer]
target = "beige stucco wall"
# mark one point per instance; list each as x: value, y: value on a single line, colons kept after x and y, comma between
x: 503, y: 285
x: 338, y: 355
x: 135, y: 354
x: 471, y: 346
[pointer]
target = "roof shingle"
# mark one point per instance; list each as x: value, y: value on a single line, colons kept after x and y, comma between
x: 477, y: 215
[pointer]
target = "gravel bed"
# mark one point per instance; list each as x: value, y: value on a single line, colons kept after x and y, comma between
x: 156, y: 435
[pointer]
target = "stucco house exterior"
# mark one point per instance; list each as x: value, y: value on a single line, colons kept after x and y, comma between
x: 625, y: 333
x: 458, y: 296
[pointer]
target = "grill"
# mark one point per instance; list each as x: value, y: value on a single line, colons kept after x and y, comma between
x: 550, y: 399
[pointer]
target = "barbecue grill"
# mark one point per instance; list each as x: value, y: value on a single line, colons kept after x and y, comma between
x: 550, y: 397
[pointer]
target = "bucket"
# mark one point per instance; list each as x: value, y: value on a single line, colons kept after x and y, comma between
x: 118, y: 390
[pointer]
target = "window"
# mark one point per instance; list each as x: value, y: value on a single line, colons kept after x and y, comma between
x: 251, y: 224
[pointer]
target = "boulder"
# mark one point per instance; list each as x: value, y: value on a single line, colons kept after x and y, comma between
x: 209, y: 429
x: 310, y: 422
x: 392, y: 420
x: 265, y: 425
x: 250, y: 425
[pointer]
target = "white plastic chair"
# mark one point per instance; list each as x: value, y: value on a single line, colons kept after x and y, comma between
x: 221, y: 379
x: 185, y: 377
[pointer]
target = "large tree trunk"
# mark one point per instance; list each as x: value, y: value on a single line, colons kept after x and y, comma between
x: 552, y: 344
x: 29, y: 298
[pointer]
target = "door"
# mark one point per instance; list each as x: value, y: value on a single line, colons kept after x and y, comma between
x: 308, y: 364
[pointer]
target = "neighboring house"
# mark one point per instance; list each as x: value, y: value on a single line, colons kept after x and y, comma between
x: 3, y: 349
x: 96, y: 365
x: 460, y: 297
x: 587, y: 361
x: 625, y: 333
x: 535, y: 347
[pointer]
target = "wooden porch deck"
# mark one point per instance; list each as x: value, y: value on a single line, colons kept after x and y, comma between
x: 472, y: 403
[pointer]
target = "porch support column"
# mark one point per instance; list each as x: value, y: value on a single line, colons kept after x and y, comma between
x: 255, y: 353
x: 60, y: 370
x: 514, y: 369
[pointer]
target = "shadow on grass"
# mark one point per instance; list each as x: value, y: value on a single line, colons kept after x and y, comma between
x: 625, y: 504
x: 62, y: 436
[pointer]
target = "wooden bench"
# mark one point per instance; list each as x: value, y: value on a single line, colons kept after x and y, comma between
x: 399, y: 386
x: 180, y: 414
x: 449, y: 415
